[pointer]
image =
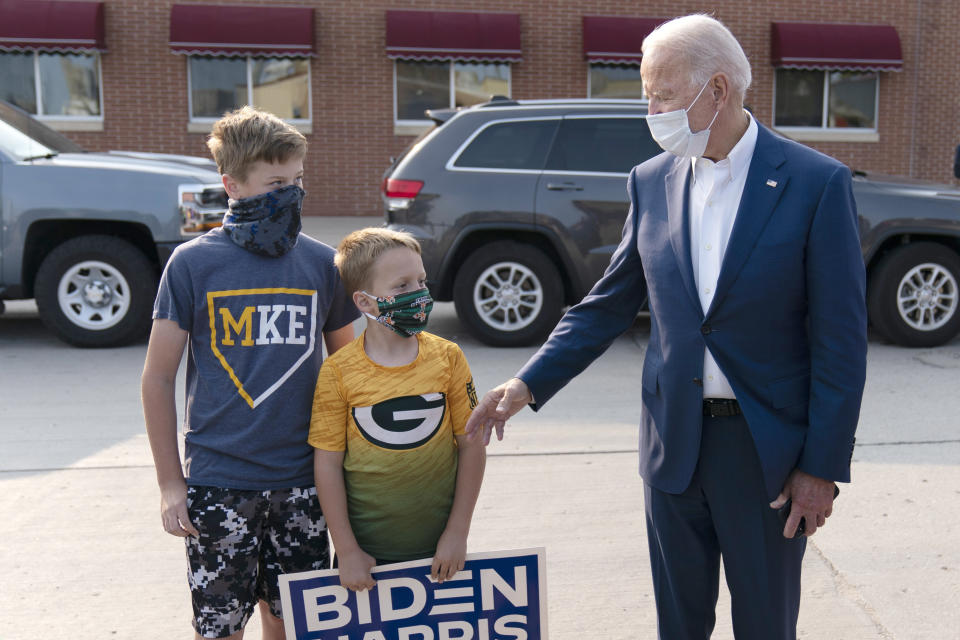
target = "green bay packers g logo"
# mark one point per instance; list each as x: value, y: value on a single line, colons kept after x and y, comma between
x: 401, y: 423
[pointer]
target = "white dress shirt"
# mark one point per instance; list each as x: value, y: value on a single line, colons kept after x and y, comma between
x: 715, y: 191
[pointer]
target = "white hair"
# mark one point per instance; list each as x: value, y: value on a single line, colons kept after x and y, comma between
x: 706, y: 46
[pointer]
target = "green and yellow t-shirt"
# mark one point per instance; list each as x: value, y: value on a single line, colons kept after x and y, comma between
x: 397, y: 426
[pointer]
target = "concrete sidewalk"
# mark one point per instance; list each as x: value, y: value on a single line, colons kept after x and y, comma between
x: 84, y: 556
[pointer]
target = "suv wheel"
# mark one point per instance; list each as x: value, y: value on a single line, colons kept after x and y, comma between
x: 96, y: 291
x: 509, y: 294
x: 913, y: 297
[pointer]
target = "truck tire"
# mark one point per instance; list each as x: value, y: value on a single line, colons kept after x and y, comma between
x: 913, y: 295
x: 96, y: 291
x: 508, y: 294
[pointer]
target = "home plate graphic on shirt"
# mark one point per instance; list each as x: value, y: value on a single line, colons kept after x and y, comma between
x: 282, y: 321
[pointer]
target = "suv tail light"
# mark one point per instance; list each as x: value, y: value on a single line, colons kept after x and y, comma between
x: 400, y: 193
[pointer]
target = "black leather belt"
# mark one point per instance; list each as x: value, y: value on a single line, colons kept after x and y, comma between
x: 721, y: 407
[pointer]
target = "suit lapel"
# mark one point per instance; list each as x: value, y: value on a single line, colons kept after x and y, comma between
x: 678, y: 216
x: 766, y: 180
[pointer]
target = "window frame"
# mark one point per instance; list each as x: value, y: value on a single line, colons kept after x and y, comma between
x: 451, y: 161
x: 410, y: 126
x: 205, y: 123
x: 825, y: 132
x: 643, y: 99
x: 62, y: 122
x: 591, y: 116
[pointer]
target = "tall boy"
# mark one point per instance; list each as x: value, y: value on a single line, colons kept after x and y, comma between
x: 254, y: 299
x: 396, y: 477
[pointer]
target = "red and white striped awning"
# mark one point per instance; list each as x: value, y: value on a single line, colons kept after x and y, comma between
x: 453, y: 35
x: 616, y: 39
x: 241, y: 30
x: 851, y: 47
x: 48, y: 25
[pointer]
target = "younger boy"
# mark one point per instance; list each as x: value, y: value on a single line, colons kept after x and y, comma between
x: 396, y: 477
x: 254, y: 299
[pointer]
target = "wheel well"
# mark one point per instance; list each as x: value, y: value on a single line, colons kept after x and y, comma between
x: 478, y: 239
x: 46, y: 235
x: 894, y: 242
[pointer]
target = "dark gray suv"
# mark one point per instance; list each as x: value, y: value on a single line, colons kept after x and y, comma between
x: 519, y: 205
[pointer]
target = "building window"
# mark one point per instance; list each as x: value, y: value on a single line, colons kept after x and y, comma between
x: 845, y: 100
x: 56, y: 85
x: 278, y: 85
x: 429, y: 85
x: 615, y: 81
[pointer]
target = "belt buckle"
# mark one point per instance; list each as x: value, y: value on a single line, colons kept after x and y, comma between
x: 720, y: 408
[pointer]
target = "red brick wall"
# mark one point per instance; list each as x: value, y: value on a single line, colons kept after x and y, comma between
x: 145, y: 85
x: 933, y: 111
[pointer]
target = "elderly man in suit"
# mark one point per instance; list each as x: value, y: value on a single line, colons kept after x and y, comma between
x: 746, y: 246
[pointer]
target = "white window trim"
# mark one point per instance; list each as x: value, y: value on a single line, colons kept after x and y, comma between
x: 414, y: 127
x: 74, y: 123
x: 205, y: 124
x: 825, y: 133
x: 451, y: 78
x: 411, y: 127
x: 37, y: 91
x: 814, y: 134
x: 590, y: 83
x: 62, y: 122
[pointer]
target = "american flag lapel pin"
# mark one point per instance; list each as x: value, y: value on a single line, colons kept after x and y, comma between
x: 771, y: 183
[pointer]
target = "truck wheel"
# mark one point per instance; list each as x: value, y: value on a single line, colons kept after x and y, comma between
x: 96, y: 291
x: 913, y: 295
x: 508, y: 294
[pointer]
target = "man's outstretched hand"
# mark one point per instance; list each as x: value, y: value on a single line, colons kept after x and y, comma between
x: 496, y: 407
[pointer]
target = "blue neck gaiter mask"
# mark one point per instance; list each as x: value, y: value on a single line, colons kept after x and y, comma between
x: 267, y: 224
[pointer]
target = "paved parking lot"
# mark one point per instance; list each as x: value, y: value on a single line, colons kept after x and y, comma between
x: 84, y: 556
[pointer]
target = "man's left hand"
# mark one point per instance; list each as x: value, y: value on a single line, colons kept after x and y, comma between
x: 812, y: 500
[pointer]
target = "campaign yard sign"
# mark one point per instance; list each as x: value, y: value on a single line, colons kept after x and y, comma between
x: 497, y: 596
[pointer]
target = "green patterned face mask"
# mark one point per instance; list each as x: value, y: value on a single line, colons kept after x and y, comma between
x: 406, y: 313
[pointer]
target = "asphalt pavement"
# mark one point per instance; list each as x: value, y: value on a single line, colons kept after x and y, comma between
x: 84, y: 555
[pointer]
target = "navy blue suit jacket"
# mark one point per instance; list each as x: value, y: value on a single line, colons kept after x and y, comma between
x: 787, y: 325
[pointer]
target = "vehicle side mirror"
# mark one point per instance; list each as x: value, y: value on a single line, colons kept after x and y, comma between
x: 956, y: 163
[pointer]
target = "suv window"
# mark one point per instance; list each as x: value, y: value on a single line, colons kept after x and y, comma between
x: 517, y: 144
x: 608, y: 145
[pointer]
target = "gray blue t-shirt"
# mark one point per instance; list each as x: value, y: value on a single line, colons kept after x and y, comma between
x: 256, y: 328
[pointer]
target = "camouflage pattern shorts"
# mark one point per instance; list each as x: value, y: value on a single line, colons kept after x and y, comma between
x: 247, y: 539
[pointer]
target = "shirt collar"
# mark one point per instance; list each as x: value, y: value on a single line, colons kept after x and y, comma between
x: 737, y: 161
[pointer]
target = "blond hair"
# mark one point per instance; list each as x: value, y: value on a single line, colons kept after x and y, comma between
x: 706, y: 46
x: 358, y: 252
x: 245, y: 136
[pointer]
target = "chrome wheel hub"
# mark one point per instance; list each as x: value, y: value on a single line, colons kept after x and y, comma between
x: 508, y: 296
x: 927, y: 297
x: 97, y: 293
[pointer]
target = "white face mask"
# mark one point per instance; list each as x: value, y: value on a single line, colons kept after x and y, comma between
x: 672, y: 132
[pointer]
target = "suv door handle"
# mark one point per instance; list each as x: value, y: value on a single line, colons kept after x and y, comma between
x: 564, y: 186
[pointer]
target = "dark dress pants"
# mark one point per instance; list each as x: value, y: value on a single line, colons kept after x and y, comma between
x: 724, y: 513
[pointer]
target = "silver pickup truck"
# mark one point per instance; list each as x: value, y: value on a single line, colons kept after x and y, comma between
x: 87, y: 234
